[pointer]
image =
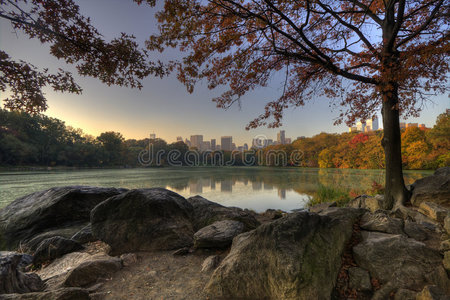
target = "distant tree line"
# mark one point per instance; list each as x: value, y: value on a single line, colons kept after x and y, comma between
x: 38, y: 140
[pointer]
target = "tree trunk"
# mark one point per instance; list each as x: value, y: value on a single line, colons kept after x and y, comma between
x: 396, y: 193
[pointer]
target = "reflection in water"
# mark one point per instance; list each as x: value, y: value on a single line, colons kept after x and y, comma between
x: 255, y: 188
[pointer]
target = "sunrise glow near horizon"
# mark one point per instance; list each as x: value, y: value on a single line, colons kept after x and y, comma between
x: 163, y: 106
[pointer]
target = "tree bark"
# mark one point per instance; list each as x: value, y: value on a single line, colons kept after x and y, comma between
x: 396, y: 193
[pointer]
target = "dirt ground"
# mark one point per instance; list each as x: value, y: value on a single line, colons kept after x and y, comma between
x: 158, y: 275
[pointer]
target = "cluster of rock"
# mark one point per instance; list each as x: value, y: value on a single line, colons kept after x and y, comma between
x: 53, y: 225
x: 357, y: 252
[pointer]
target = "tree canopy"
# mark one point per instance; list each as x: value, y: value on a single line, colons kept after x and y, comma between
x: 72, y: 38
x: 352, y: 50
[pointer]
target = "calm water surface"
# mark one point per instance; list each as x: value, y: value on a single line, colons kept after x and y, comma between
x: 256, y: 188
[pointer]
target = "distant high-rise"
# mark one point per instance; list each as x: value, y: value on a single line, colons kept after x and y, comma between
x: 288, y: 140
x: 187, y: 142
x: 179, y: 139
x: 245, y: 147
x: 365, y: 126
x: 197, y: 141
x: 281, y: 137
x: 213, y: 144
x: 233, y: 146
x: 227, y: 143
x: 152, y: 136
x: 206, y: 145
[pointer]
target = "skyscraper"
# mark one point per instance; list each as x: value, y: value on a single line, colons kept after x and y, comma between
x: 197, y: 141
x: 281, y: 137
x: 227, y: 143
x: 213, y: 144
x: 152, y: 136
x: 179, y: 139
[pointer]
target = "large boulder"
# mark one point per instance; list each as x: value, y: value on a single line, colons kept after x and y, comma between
x: 84, y: 235
x: 143, y: 220
x: 54, y: 247
x: 435, y: 188
x: 12, y: 279
x: 91, y: 271
x: 219, y: 234
x: 399, y: 262
x: 52, y: 209
x: 207, y: 212
x: 295, y: 257
x: 433, y: 211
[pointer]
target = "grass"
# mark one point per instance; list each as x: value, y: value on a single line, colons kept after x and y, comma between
x: 330, y: 194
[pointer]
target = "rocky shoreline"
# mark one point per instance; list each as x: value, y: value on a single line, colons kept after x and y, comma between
x: 82, y: 242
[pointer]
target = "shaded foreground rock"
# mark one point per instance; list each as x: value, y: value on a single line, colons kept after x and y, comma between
x: 90, y: 272
x: 54, y: 247
x: 432, y: 292
x: 295, y: 257
x: 84, y: 235
x: 207, y: 212
x: 12, y: 279
x: 434, y: 188
x: 52, y: 209
x: 433, y: 211
x: 399, y: 262
x: 219, y: 234
x: 60, y: 294
x: 143, y: 220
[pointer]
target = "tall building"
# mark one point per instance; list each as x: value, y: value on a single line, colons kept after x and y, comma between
x: 245, y: 147
x: 152, y: 136
x: 197, y: 141
x: 281, y: 137
x: 179, y: 139
x: 288, y: 141
x: 227, y: 143
x: 365, y: 126
x: 187, y: 142
x: 213, y: 144
x: 206, y: 145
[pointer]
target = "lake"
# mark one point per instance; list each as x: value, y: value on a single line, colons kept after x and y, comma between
x: 257, y: 188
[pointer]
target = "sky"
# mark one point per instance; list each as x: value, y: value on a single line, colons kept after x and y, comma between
x: 163, y: 106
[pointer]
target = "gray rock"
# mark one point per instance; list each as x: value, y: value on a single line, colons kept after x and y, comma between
x: 444, y: 246
x: 417, y: 231
x: 84, y: 235
x: 12, y: 280
x: 435, y: 188
x: 321, y: 206
x: 91, y: 271
x: 143, y: 220
x: 404, y: 294
x: 219, y: 234
x: 47, y: 210
x: 273, y: 214
x: 372, y: 203
x: 129, y: 259
x: 380, y: 221
x: 359, y: 279
x: 295, y: 257
x: 399, y: 261
x: 433, y: 211
x: 446, y: 261
x: 207, y: 212
x: 447, y: 224
x: 210, y: 263
x: 59, y: 294
x: 67, y: 232
x: 54, y: 247
x: 432, y: 292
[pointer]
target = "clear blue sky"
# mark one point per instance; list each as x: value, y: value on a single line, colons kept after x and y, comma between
x: 163, y: 106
